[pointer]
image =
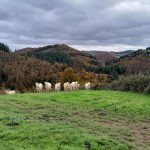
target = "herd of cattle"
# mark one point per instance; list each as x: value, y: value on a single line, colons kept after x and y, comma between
x: 57, y: 87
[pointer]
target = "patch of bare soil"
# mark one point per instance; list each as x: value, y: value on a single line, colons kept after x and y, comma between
x: 141, y: 132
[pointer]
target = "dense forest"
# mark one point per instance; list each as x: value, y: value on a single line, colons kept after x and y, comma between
x: 61, y: 53
x: 135, y: 62
x: 60, y: 63
x: 20, y: 72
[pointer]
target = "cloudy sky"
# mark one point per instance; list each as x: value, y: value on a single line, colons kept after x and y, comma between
x: 83, y: 24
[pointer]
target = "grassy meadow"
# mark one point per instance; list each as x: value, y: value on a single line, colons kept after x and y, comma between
x: 78, y: 120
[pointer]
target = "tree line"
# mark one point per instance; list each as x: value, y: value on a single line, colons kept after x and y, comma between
x: 21, y: 72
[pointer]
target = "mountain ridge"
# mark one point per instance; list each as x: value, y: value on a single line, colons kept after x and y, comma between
x: 62, y: 53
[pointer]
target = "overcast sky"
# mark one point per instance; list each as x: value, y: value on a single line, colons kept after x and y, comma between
x: 83, y: 24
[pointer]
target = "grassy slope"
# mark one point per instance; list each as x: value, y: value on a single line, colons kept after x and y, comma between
x: 79, y: 120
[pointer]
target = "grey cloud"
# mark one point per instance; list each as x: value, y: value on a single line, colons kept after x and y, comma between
x: 75, y: 22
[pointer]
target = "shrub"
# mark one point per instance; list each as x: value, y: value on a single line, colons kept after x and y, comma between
x: 137, y: 83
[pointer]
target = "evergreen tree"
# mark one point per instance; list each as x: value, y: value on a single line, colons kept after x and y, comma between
x: 4, y: 47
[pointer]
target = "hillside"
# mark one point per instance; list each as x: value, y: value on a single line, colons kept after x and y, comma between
x: 97, y: 61
x: 79, y: 120
x: 102, y: 56
x: 21, y: 72
x: 135, y: 62
x: 123, y: 53
x: 125, y: 62
x: 63, y: 54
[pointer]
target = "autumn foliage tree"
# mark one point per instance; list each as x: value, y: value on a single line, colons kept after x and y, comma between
x: 21, y: 72
x: 70, y: 75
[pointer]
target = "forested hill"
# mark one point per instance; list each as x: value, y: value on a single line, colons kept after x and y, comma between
x: 125, y: 62
x: 135, y: 62
x: 61, y: 63
x: 106, y: 56
x: 63, y: 54
x: 102, y: 56
x: 21, y: 72
x: 95, y: 61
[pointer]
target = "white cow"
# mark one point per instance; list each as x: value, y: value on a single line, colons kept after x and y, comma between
x: 66, y: 86
x: 78, y: 86
x: 39, y: 87
x: 88, y: 86
x: 57, y: 87
x: 48, y: 86
x: 10, y: 92
x: 74, y: 85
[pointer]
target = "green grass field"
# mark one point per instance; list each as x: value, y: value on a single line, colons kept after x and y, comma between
x: 79, y: 120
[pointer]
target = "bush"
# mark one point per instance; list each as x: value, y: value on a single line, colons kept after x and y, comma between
x: 137, y: 83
